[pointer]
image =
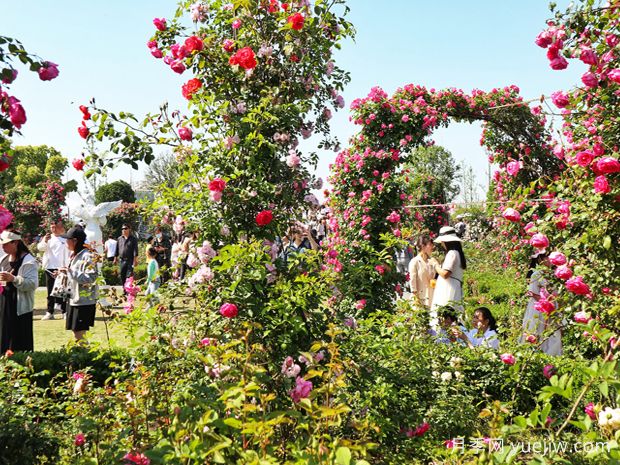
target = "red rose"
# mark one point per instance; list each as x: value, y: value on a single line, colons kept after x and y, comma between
x: 85, y: 112
x: 83, y: 131
x: 78, y: 164
x: 191, y: 87
x: 296, y: 21
x: 193, y: 44
x: 584, y: 158
x: 185, y: 133
x: 229, y: 310
x: 5, y: 162
x: 244, y: 57
x: 217, y: 185
x: 264, y: 218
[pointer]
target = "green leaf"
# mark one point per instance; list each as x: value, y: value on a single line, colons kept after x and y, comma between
x: 343, y: 456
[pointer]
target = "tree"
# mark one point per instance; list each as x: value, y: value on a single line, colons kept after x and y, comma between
x: 163, y: 171
x: 469, y: 180
x: 32, y: 165
x: 117, y: 190
x: 431, y: 177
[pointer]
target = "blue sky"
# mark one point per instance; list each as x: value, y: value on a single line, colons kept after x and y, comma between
x: 101, y: 50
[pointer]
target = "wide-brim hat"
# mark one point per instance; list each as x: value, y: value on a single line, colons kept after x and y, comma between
x: 9, y: 236
x: 447, y: 234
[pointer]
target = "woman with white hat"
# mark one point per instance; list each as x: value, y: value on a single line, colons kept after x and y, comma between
x: 19, y: 278
x: 449, y: 287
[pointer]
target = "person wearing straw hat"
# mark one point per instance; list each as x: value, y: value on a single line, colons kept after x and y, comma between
x: 19, y: 278
x: 449, y: 287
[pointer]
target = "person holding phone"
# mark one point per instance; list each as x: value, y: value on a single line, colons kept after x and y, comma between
x: 300, y: 241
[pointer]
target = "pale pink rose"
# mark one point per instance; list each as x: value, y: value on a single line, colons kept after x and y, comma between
x: 512, y: 215
x: 513, y: 167
x: 589, y: 79
x: 215, y: 196
x: 582, y: 317
x: 601, y: 185
x: 557, y: 258
x: 289, y: 368
x: 293, y: 159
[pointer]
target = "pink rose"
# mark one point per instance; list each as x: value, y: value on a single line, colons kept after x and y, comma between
x: 543, y: 39
x: 236, y: 24
x: 544, y: 306
x: 577, y: 286
x: 78, y: 164
x: 229, y: 310
x: 539, y: 241
x: 584, y: 158
x: 513, y: 168
x: 614, y: 75
x: 560, y: 99
x: 217, y: 185
x: 588, y: 56
x: 177, y: 66
x: 293, y: 160
x: 601, y: 185
x: 589, y: 79
x: 563, y: 272
x: 193, y: 44
x: 508, y: 359
x: 17, y: 114
x: 360, y: 304
x: 228, y: 45
x: 549, y: 371
x: 589, y: 410
x: 582, y: 317
x: 512, y: 215
x: 48, y: 71
x: 160, y: 24
x: 301, y: 390
x: 185, y: 133
x: 393, y: 217
x: 157, y: 53
x: 607, y: 165
x: 557, y: 258
x: 558, y: 63
x: 79, y: 439
x: 12, y: 75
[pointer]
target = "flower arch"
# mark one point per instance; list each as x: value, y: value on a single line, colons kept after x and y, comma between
x: 368, y: 203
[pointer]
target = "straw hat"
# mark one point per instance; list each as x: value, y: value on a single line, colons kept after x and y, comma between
x: 447, y: 234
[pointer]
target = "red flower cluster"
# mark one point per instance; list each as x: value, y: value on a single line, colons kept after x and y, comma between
x: 190, y: 88
x: 296, y: 21
x: 244, y: 57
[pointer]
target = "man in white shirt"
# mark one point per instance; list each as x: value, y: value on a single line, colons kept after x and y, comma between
x: 110, y: 248
x: 55, y: 256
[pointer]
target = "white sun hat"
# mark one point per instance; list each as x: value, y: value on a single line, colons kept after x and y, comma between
x: 447, y: 234
x: 9, y: 236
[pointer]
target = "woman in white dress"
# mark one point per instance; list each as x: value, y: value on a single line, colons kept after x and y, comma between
x: 449, y: 288
x: 422, y: 272
x: 535, y: 322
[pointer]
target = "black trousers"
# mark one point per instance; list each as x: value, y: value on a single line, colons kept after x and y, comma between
x: 126, y: 270
x: 51, y: 301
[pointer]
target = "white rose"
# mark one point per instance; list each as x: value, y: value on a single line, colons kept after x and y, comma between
x: 446, y: 376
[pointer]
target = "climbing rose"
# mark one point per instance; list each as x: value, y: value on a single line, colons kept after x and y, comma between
x: 17, y: 114
x: 513, y: 168
x: 420, y: 430
x: 228, y: 45
x: 582, y: 317
x: 577, y: 286
x: 607, y: 165
x: 79, y: 439
x: 193, y: 44
x: 549, y: 371
x: 244, y: 57
x: 601, y: 185
x: 78, y: 164
x: 539, y: 241
x: 563, y: 272
x: 512, y: 215
x: 229, y: 310
x: 185, y: 133
x: 217, y: 185
x: 296, y: 21
x: 393, y: 217
x: 11, y: 78
x: 560, y: 99
x: 83, y: 131
x: 588, y: 56
x: 85, y: 112
x: 289, y: 368
x: 544, y: 306
x: 557, y: 258
x: 4, y: 162
x: 48, y: 71
x: 584, y: 158
x: 137, y: 459
x: 264, y: 218
x: 301, y: 390
x: 589, y: 410
x: 614, y: 75
x: 508, y: 359
x: 160, y: 24
x: 558, y: 63
x: 589, y: 79
x: 190, y: 87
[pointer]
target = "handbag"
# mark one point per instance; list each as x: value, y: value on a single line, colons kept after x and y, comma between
x: 61, y: 288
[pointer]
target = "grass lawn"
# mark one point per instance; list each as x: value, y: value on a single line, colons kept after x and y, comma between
x: 52, y: 335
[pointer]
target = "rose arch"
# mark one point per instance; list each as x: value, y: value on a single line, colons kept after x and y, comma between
x: 368, y: 201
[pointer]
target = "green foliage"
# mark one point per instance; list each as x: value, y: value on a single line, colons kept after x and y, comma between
x: 117, y: 190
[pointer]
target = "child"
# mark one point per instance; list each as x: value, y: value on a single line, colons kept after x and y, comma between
x: 152, y: 271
